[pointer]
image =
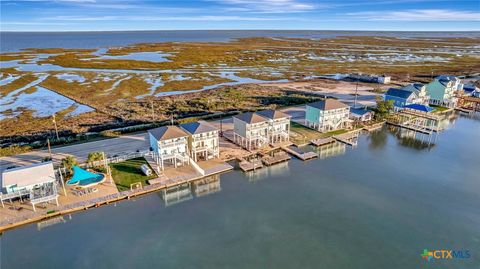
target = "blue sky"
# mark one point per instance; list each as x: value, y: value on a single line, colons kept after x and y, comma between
x: 102, y: 15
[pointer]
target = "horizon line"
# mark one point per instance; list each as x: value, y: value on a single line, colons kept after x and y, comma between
x: 172, y: 30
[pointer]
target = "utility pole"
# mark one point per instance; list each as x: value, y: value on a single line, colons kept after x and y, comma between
x: 356, y: 93
x: 49, y: 149
x: 55, y: 124
x: 221, y: 127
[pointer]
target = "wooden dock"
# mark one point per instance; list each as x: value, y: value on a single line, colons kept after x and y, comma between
x: 300, y: 154
x: 322, y: 141
x: 350, y: 138
x: 247, y: 166
x: 278, y: 157
x: 374, y: 126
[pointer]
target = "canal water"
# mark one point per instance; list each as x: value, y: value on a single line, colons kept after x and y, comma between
x: 378, y: 205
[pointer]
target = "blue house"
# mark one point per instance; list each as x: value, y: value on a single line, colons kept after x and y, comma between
x: 400, y: 97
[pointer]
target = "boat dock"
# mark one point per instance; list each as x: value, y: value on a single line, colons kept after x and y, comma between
x: 252, y: 165
x: 374, y: 126
x: 277, y: 157
x: 350, y: 139
x: 300, y: 154
x: 322, y: 141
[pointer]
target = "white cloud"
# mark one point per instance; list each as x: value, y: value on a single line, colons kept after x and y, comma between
x: 160, y: 18
x: 417, y: 15
x: 268, y: 6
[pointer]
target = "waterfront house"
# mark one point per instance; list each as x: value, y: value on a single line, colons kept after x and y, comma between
x: 443, y: 89
x: 169, y: 145
x: 421, y: 93
x: 203, y: 141
x: 471, y: 90
x: 250, y: 130
x: 361, y: 114
x: 279, y: 125
x: 36, y: 182
x: 327, y: 115
x: 400, y: 98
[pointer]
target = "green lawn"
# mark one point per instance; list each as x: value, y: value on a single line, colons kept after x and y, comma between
x: 128, y: 172
x: 300, y: 134
x: 438, y: 108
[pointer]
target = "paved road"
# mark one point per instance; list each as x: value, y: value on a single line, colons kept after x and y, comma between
x: 114, y: 146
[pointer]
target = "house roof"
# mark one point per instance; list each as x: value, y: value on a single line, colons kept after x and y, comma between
x: 400, y: 93
x: 167, y: 132
x: 272, y: 114
x: 28, y: 175
x: 445, y: 79
x: 419, y: 107
x: 250, y: 117
x: 198, y: 127
x: 413, y: 87
x: 359, y: 111
x: 469, y: 87
x: 328, y: 104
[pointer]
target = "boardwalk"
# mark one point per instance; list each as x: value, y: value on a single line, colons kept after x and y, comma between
x: 276, y: 158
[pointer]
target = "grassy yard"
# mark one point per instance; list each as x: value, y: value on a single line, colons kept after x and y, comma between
x: 300, y: 134
x: 128, y: 172
x: 438, y: 109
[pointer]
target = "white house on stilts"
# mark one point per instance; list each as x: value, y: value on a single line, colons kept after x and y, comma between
x: 169, y: 145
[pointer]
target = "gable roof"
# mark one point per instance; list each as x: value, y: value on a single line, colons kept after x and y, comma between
x: 399, y: 93
x: 413, y: 87
x: 250, y: 117
x: 469, y: 87
x: 28, y: 175
x: 328, y: 104
x: 272, y: 114
x: 167, y: 132
x: 419, y: 107
x: 360, y: 111
x: 198, y: 127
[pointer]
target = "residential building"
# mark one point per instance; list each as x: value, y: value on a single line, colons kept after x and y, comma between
x: 169, y: 145
x: 327, y: 115
x: 443, y: 89
x: 250, y: 130
x: 419, y: 108
x: 203, y: 141
x: 36, y: 182
x: 421, y: 93
x: 471, y: 90
x: 279, y: 125
x: 370, y: 78
x: 361, y: 114
x: 401, y: 98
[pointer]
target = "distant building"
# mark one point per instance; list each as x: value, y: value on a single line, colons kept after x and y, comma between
x: 361, y: 114
x: 250, y: 130
x: 370, y: 78
x: 279, y: 125
x: 36, y: 182
x: 443, y: 89
x: 203, y: 141
x: 169, y: 144
x: 402, y: 98
x: 327, y: 115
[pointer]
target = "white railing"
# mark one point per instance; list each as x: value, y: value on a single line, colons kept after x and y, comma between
x: 196, y: 166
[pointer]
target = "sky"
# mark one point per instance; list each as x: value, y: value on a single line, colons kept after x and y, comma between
x: 111, y: 15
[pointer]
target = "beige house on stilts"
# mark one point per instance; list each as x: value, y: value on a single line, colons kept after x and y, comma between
x: 203, y: 141
x: 254, y: 130
x: 279, y: 125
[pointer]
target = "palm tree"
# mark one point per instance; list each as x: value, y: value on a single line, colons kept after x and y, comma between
x: 68, y: 162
